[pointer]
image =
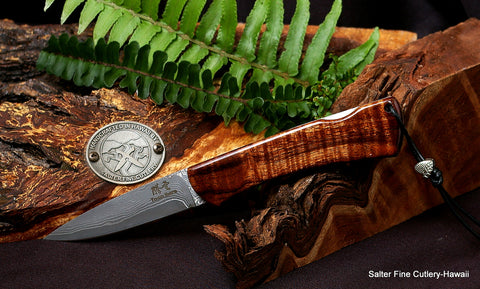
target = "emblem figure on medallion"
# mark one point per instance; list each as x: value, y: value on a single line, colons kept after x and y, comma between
x: 124, y: 152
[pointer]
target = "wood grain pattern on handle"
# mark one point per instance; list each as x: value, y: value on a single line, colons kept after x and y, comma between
x: 367, y: 132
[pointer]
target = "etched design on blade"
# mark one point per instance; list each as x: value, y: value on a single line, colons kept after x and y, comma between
x: 123, y: 152
x: 168, y: 188
x: 155, y: 200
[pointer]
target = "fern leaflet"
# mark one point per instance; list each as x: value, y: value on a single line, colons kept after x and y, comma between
x: 175, y: 54
x: 104, y: 64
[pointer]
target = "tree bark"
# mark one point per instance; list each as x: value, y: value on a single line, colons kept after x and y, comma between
x: 437, y: 81
x: 45, y: 124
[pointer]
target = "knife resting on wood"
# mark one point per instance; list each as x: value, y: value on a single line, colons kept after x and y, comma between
x: 367, y: 131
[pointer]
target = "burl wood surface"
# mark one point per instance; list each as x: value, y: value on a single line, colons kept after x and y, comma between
x: 437, y: 81
x: 45, y: 124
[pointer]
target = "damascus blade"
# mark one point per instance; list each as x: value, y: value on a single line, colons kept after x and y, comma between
x: 157, y: 199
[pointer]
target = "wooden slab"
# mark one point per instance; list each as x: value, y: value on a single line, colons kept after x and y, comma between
x: 45, y: 124
x: 437, y: 81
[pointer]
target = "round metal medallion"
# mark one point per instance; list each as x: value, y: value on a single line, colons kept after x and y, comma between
x: 125, y: 152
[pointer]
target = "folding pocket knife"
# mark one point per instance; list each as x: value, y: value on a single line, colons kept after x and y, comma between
x: 367, y: 131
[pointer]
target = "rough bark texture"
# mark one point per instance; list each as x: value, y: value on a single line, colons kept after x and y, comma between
x: 437, y: 80
x: 45, y: 124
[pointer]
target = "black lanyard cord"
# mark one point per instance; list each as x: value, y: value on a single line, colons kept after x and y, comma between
x: 428, y: 169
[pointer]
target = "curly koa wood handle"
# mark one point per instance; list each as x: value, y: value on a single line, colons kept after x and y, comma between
x: 364, y: 132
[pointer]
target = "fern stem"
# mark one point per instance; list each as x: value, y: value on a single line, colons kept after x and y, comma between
x: 213, y: 49
x: 171, y: 81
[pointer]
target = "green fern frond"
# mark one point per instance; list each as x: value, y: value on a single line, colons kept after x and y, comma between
x: 174, y: 55
x: 175, y: 32
x: 342, y: 71
x: 104, y: 64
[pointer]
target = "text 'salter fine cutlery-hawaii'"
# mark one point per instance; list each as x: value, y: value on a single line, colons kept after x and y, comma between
x: 367, y: 131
